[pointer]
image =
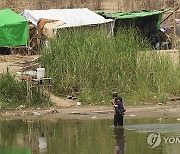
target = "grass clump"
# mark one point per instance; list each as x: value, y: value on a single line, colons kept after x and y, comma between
x: 13, y: 93
x: 92, y: 65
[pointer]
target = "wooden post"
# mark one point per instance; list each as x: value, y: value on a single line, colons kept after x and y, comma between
x: 27, y: 84
x: 174, y: 35
x: 29, y: 91
x: 42, y: 87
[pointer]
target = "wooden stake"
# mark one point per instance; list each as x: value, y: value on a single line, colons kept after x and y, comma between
x: 174, y: 36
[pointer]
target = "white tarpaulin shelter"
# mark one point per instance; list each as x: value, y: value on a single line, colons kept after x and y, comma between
x: 71, y: 17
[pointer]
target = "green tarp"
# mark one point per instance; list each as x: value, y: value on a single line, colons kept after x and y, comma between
x: 13, y: 29
x: 129, y: 15
x: 134, y: 15
x: 15, y: 151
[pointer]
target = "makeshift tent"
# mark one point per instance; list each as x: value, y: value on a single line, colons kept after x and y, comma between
x: 135, y: 15
x: 49, y: 22
x: 13, y: 29
x: 126, y: 15
x: 148, y: 23
x: 71, y: 17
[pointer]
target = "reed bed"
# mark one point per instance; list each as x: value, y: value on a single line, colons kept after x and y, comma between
x: 90, y: 65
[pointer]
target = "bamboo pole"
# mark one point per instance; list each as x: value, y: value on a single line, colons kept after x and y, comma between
x: 174, y: 35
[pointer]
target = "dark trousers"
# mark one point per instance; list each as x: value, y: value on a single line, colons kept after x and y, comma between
x: 118, y: 120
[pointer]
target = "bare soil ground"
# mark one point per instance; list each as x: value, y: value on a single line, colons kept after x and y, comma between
x: 16, y: 62
x: 167, y: 111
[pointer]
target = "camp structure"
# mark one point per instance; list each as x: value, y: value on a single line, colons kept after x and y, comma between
x: 49, y: 22
x: 13, y: 29
x: 148, y: 23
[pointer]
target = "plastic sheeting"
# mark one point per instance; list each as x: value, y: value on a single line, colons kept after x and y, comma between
x: 15, y: 150
x: 48, y: 28
x: 13, y: 29
x: 130, y: 15
x: 71, y: 17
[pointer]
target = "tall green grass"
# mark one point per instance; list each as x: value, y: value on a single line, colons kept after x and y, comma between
x: 13, y: 93
x: 90, y: 64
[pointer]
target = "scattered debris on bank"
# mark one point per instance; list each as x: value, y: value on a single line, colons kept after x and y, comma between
x: 168, y: 111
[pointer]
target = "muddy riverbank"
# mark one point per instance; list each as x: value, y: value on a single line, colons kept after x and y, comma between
x: 161, y: 111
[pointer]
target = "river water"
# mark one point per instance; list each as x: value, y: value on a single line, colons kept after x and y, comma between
x: 139, y: 136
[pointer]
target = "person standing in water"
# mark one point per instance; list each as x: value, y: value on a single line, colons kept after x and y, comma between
x: 119, y: 112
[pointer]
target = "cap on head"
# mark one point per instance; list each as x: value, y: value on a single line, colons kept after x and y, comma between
x: 114, y: 94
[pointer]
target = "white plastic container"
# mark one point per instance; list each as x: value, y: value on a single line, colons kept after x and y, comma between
x: 40, y: 73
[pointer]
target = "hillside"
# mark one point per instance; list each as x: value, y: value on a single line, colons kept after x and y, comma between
x: 106, y: 5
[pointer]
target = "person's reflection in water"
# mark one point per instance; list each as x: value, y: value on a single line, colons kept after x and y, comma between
x: 120, y: 140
